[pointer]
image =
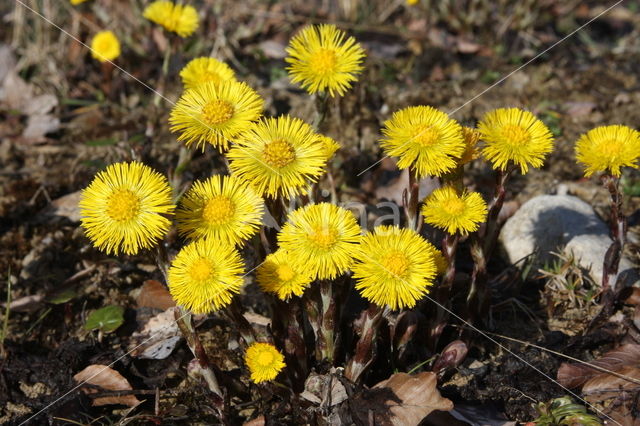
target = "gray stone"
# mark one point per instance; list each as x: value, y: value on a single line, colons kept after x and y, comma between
x: 562, y: 223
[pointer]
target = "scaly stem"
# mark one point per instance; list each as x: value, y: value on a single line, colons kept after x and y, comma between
x: 328, y: 321
x: 365, y: 346
x: 618, y: 233
x: 184, y: 158
x: 322, y: 106
x: 443, y: 291
x: 234, y: 312
x: 411, y: 201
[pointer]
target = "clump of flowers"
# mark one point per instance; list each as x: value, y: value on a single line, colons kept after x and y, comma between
x: 215, y: 113
x: 105, y: 46
x: 177, y: 18
x: 264, y: 362
x: 124, y: 208
x: 323, y: 58
x: 203, y: 70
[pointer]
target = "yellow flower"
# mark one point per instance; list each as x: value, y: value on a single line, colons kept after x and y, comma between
x: 205, y: 275
x: 215, y: 113
x: 177, y: 18
x: 441, y: 262
x: 105, y: 46
x: 123, y: 207
x: 514, y: 135
x: 330, y: 146
x: 320, y: 239
x: 75, y: 2
x: 412, y: 2
x: 277, y: 274
x: 279, y: 156
x: 264, y: 362
x: 471, y: 152
x: 322, y: 58
x: 423, y: 138
x: 202, y: 70
x: 394, y: 267
x: 608, y: 148
x: 447, y: 210
x: 222, y: 208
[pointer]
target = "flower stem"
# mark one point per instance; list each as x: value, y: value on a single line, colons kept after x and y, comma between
x: 365, y: 347
x: 327, y: 325
x: 618, y: 233
x: 322, y: 106
x: 411, y: 201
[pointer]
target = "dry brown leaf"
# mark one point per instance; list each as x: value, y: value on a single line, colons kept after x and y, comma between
x: 417, y: 396
x: 158, y: 338
x: 154, y: 294
x: 575, y: 375
x: 109, y: 380
x: 67, y: 206
x: 607, y: 383
x: 258, y: 421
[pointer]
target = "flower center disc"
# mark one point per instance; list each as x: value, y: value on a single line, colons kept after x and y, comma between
x: 426, y: 135
x: 217, y: 112
x: 396, y: 263
x: 123, y: 205
x: 278, y: 153
x: 201, y: 270
x: 610, y: 148
x: 323, y: 61
x: 454, y: 206
x: 265, y: 359
x: 285, y: 273
x: 211, y: 76
x: 516, y: 135
x: 218, y: 210
x: 324, y: 237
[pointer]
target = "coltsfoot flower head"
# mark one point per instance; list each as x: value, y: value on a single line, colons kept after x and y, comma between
x: 105, y: 46
x: 177, y: 18
x: 123, y: 207
x: 75, y: 2
x: 323, y: 59
x: 471, y: 151
x: 279, y: 275
x: 279, y: 156
x: 329, y: 144
x: 320, y: 239
x: 608, y: 149
x: 394, y: 267
x: 514, y: 135
x: 264, y: 361
x: 202, y: 70
x: 205, y: 275
x: 214, y: 113
x: 222, y: 208
x: 423, y: 138
x: 453, y: 212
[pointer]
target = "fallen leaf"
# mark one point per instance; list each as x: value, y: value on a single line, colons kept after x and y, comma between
x: 66, y: 206
x: 154, y: 294
x: 401, y: 400
x: 158, y: 338
x: 575, y: 375
x: 258, y: 421
x: 109, y: 380
x: 603, y: 383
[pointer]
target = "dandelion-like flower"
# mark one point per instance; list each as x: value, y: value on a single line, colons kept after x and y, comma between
x: 264, y: 361
x: 177, y: 18
x: 279, y: 275
x: 222, y: 208
x: 329, y: 144
x: 76, y: 2
x: 205, y: 275
x: 471, y: 151
x: 514, y: 135
x: 214, y: 113
x: 323, y: 59
x: 394, y: 267
x: 453, y: 212
x: 423, y: 138
x: 608, y: 148
x: 320, y: 238
x: 279, y: 156
x: 123, y: 207
x: 202, y: 70
x: 105, y: 46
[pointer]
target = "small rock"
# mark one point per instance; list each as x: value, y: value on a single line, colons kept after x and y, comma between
x: 549, y: 223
